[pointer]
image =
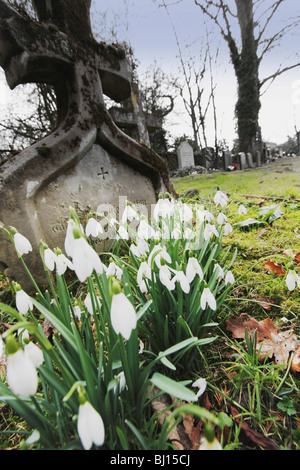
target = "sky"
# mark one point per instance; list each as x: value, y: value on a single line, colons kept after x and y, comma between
x: 149, y: 28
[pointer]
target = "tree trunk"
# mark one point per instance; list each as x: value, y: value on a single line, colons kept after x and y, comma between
x: 247, y: 73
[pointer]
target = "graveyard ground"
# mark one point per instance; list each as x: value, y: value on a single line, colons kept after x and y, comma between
x: 263, y: 395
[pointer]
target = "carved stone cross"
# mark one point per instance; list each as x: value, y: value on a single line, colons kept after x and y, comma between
x: 38, y: 185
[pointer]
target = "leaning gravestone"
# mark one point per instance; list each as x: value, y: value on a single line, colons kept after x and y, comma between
x: 243, y: 161
x: 258, y: 158
x: 86, y: 161
x: 185, y: 155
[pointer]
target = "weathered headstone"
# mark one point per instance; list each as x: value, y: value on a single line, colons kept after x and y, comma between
x: 250, y: 160
x: 133, y: 120
x: 227, y: 159
x: 86, y: 161
x: 258, y: 158
x: 185, y: 155
x: 243, y: 161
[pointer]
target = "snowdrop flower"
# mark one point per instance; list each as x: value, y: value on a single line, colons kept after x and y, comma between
x: 185, y: 213
x: 207, y: 298
x: 220, y: 270
x: 21, y: 373
x: 88, y: 303
x: 227, y: 229
x: 201, y: 384
x: 209, y: 231
x: 84, y: 258
x: 165, y: 277
x: 34, y: 353
x: 121, y: 381
x: 292, y: 279
x: 69, y: 239
x: 210, y: 445
x: 204, y: 215
x: 49, y: 258
x: 129, y: 214
x: 122, y: 233
x: 229, y: 278
x: 23, y: 302
x: 77, y: 311
x: 182, y: 279
x: 193, y: 268
x: 114, y: 270
x: 242, y: 209
x: 122, y: 313
x: 145, y: 230
x: 62, y: 263
x: 22, y: 245
x: 163, y: 208
x: 143, y: 271
x: 90, y: 426
x: 221, y: 198
x: 159, y: 253
x: 93, y: 227
x: 221, y: 218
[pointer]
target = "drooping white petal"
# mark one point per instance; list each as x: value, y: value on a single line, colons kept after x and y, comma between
x: 62, y: 263
x: 34, y: 353
x: 123, y: 316
x: 49, y: 259
x: 193, y: 268
x: 22, y: 244
x: 165, y: 277
x: 207, y: 298
x: 221, y: 198
x: 242, y: 209
x: 90, y: 426
x: 21, y: 374
x: 201, y: 384
x: 182, y: 279
x: 23, y: 302
x: 206, y: 445
x: 229, y: 278
x: 85, y: 259
x: 93, y: 228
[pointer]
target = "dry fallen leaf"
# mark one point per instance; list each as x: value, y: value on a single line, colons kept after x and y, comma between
x: 270, y: 342
x: 275, y: 268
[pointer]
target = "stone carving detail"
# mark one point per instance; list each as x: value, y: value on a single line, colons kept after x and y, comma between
x: 86, y: 157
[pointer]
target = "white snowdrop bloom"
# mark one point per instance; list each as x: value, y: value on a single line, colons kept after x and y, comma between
x: 90, y: 426
x: 129, y: 214
x: 207, y: 445
x: 88, y: 303
x: 158, y: 253
x: 242, y: 209
x: 221, y: 218
x: 145, y: 230
x: 62, y: 263
x: 163, y: 208
x: 85, y: 259
x: 123, y: 316
x: 49, y: 258
x: 227, y: 229
x: 143, y: 271
x: 34, y: 353
x: 220, y: 271
x: 122, y: 233
x: 193, y: 268
x: 182, y: 279
x: 188, y: 233
x: 292, y: 279
x: 141, y: 247
x: 69, y: 239
x: 23, y: 302
x: 121, y: 381
x: 207, y: 298
x: 114, y: 270
x: 221, y: 198
x: 165, y: 277
x: 185, y: 212
x: 204, y: 214
x: 21, y: 374
x: 229, y: 278
x: 22, y: 244
x: 201, y: 384
x: 77, y: 311
x: 209, y: 231
x: 93, y: 227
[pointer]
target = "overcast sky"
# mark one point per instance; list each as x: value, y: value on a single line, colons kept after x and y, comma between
x: 149, y: 30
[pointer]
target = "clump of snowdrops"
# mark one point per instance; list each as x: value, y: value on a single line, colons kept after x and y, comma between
x: 90, y: 386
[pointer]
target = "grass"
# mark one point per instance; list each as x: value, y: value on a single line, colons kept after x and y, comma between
x: 262, y: 396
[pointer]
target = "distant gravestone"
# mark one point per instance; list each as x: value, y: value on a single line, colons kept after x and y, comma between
x: 258, y: 158
x: 185, y: 155
x: 227, y: 159
x: 243, y: 161
x: 86, y: 162
x: 250, y: 160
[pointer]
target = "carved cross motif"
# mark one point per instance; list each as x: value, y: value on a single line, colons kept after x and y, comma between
x: 59, y: 49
